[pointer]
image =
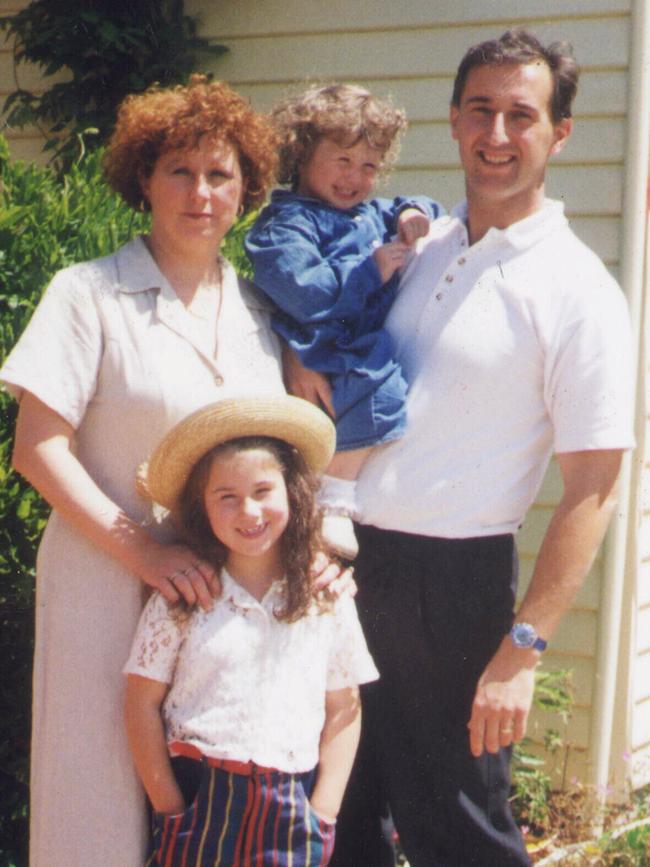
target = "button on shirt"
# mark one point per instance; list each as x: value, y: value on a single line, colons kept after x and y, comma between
x: 245, y: 685
x: 514, y: 347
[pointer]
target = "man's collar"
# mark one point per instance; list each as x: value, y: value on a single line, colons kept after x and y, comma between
x: 524, y: 232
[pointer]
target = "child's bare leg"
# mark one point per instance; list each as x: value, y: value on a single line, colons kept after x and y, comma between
x: 338, y: 500
x: 347, y: 465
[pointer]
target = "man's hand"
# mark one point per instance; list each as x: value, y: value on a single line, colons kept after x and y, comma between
x: 411, y: 225
x: 503, y: 699
x: 332, y: 578
x: 505, y: 690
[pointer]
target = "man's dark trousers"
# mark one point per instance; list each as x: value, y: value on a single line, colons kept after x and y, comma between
x: 434, y: 612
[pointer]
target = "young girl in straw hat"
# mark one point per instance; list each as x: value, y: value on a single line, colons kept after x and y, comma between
x: 230, y: 710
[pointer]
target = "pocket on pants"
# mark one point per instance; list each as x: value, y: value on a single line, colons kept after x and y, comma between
x: 319, y: 836
x: 326, y: 830
x: 170, y: 831
x: 312, y: 838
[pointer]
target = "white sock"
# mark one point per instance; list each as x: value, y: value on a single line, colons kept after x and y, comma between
x: 337, y: 496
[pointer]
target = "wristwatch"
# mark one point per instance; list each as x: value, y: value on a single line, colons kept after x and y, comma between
x: 524, y: 635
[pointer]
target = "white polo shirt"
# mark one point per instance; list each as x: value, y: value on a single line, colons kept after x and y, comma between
x: 515, y: 347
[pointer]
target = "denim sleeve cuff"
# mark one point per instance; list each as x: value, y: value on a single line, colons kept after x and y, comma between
x: 429, y: 208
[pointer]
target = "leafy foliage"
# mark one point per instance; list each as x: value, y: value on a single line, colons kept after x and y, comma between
x: 631, y: 847
x: 583, y: 829
x: 46, y: 223
x: 530, y: 781
x: 233, y: 245
x: 109, y: 48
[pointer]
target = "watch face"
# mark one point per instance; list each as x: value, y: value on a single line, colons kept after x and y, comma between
x: 523, y: 635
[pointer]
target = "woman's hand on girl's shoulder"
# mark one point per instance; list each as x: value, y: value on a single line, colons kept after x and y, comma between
x: 177, y: 572
x: 333, y: 578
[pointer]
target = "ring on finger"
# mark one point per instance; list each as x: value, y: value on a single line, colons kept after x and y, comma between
x: 507, y: 730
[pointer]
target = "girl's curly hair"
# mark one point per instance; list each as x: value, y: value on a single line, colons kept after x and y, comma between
x: 301, y: 539
x: 343, y: 112
x: 163, y: 119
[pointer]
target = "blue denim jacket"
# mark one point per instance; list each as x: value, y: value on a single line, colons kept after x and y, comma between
x: 315, y: 262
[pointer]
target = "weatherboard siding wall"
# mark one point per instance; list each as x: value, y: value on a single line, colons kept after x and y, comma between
x: 24, y: 144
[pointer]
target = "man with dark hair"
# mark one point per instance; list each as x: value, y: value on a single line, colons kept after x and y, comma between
x: 519, y: 46
x: 515, y: 341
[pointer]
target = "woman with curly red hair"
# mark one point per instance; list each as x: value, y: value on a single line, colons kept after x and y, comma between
x: 117, y: 352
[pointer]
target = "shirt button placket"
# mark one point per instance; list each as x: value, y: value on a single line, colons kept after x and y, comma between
x: 449, y: 277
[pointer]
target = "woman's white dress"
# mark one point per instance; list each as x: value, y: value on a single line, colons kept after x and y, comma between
x: 112, y: 350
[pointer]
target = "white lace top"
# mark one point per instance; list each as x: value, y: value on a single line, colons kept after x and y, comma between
x: 245, y: 685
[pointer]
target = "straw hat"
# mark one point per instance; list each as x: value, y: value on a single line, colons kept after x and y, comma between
x: 287, y: 418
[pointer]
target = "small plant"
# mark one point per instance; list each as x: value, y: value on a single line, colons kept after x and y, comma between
x: 559, y: 822
x: 630, y: 845
x: 624, y: 843
x: 530, y: 781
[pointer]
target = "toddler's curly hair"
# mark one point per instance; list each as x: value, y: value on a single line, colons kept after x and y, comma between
x: 345, y: 113
x: 163, y: 119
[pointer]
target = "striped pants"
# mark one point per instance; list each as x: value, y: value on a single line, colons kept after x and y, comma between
x: 261, y: 820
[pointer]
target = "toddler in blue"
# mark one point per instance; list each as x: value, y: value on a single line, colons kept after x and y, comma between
x: 329, y: 261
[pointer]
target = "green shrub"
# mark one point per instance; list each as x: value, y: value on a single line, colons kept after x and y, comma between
x: 109, y: 48
x: 45, y: 224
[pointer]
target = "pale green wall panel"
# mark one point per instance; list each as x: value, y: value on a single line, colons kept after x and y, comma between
x: 601, y: 92
x: 393, y: 53
x: 290, y: 16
